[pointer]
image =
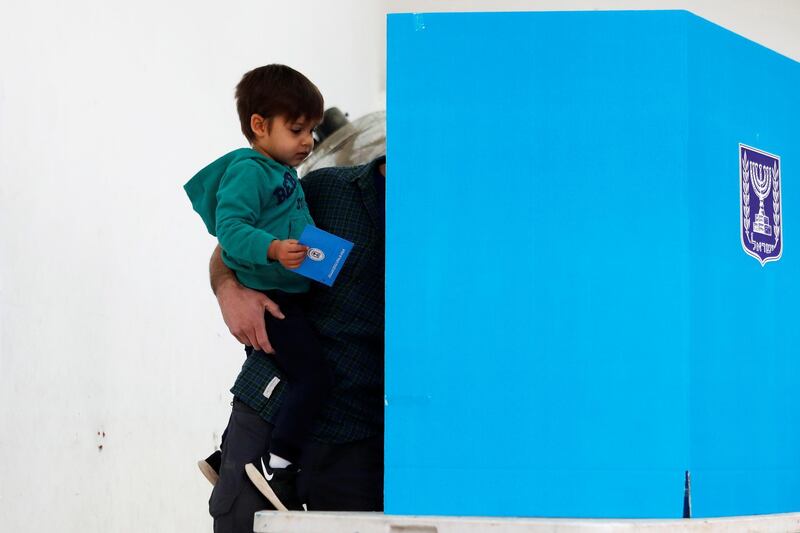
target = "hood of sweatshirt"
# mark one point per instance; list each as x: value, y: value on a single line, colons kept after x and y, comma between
x: 202, y: 188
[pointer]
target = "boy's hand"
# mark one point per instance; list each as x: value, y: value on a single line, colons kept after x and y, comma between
x: 289, y: 252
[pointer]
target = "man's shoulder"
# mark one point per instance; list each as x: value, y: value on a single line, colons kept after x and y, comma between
x: 332, y: 176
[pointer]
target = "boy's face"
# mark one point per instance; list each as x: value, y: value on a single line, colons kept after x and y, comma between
x: 285, y: 141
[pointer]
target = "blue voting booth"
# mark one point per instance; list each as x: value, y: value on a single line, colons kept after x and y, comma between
x: 588, y: 289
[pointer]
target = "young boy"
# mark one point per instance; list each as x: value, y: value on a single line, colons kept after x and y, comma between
x: 250, y: 199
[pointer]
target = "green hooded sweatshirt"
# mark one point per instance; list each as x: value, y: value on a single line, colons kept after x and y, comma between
x: 247, y: 200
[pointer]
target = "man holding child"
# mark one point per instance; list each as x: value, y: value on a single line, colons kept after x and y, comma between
x: 341, y: 463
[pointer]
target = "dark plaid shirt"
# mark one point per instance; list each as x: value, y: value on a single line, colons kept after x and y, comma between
x: 348, y: 316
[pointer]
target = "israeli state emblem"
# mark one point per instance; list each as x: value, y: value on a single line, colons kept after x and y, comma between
x: 760, y: 204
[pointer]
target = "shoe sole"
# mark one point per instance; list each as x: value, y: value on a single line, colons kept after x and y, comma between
x: 208, y: 472
x: 263, y: 487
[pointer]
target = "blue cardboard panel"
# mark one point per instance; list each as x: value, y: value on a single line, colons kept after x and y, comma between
x: 745, y: 424
x: 547, y: 285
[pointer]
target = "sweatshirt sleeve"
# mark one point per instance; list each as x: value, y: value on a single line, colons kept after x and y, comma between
x: 239, y: 200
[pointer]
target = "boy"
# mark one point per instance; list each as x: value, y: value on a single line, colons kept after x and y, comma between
x: 252, y: 201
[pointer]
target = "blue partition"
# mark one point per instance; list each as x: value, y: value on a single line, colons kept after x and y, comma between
x: 572, y: 319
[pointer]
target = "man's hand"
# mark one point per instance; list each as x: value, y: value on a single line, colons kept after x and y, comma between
x: 242, y: 308
x: 243, y: 312
x: 289, y: 252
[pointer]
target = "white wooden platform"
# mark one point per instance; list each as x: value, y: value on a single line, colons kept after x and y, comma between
x: 299, y: 522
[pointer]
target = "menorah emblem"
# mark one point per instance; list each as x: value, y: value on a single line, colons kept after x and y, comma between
x: 762, y: 229
x: 761, y: 178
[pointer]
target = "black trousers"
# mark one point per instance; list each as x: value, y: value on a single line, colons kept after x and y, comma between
x: 333, y: 477
x: 298, y: 354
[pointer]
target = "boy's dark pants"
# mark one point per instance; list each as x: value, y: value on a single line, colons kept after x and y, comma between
x: 333, y: 477
x: 298, y: 354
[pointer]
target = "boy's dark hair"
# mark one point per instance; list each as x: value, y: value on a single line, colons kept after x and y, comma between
x: 276, y: 90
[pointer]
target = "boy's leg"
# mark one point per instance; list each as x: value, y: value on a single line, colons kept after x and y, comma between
x: 234, y: 499
x: 298, y: 354
x: 343, y: 477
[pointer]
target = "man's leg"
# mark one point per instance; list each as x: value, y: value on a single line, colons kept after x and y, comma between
x: 343, y: 477
x: 234, y: 499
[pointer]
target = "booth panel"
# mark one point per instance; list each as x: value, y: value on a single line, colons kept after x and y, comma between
x: 537, y: 264
x: 745, y: 343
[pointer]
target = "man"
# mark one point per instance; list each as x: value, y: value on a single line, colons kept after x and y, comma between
x: 342, y: 468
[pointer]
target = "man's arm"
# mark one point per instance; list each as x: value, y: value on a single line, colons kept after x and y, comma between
x: 242, y: 308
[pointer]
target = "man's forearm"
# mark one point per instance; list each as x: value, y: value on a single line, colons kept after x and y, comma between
x: 242, y: 308
x: 219, y: 272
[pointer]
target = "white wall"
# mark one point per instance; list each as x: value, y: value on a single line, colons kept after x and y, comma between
x: 108, y: 324
x: 106, y: 321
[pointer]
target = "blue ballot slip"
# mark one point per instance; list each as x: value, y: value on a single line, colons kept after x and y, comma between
x: 326, y: 255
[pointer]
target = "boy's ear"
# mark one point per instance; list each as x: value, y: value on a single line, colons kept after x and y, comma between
x: 259, y: 125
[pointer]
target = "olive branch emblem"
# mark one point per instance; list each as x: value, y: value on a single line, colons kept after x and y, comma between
x: 776, y: 201
x: 746, y: 195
